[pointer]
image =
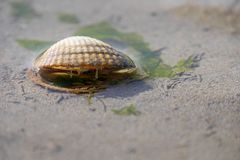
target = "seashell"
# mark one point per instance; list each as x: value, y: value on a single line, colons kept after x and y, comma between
x: 85, y: 64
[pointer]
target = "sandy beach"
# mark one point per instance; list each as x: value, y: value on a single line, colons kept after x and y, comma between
x: 194, y: 116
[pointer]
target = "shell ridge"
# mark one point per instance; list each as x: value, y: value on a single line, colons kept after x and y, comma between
x: 82, y: 51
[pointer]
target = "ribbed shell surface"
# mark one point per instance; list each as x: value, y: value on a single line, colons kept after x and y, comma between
x: 82, y: 52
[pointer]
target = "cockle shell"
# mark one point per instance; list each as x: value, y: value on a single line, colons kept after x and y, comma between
x: 80, y: 52
x: 78, y: 56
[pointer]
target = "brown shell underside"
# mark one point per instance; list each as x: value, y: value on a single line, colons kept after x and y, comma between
x: 77, y: 90
x: 83, y: 52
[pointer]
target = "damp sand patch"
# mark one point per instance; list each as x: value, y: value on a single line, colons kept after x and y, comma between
x: 227, y: 19
x: 22, y: 9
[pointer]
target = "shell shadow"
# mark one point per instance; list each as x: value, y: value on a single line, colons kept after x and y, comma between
x: 125, y: 90
x: 130, y: 89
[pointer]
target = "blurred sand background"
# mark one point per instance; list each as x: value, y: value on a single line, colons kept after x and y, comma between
x: 197, y: 119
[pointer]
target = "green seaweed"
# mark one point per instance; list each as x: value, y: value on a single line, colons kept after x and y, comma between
x: 155, y: 68
x: 127, y: 111
x: 150, y: 61
x: 162, y: 70
x: 183, y: 65
x: 104, y: 31
x: 34, y: 45
x: 22, y: 9
x: 68, y: 18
